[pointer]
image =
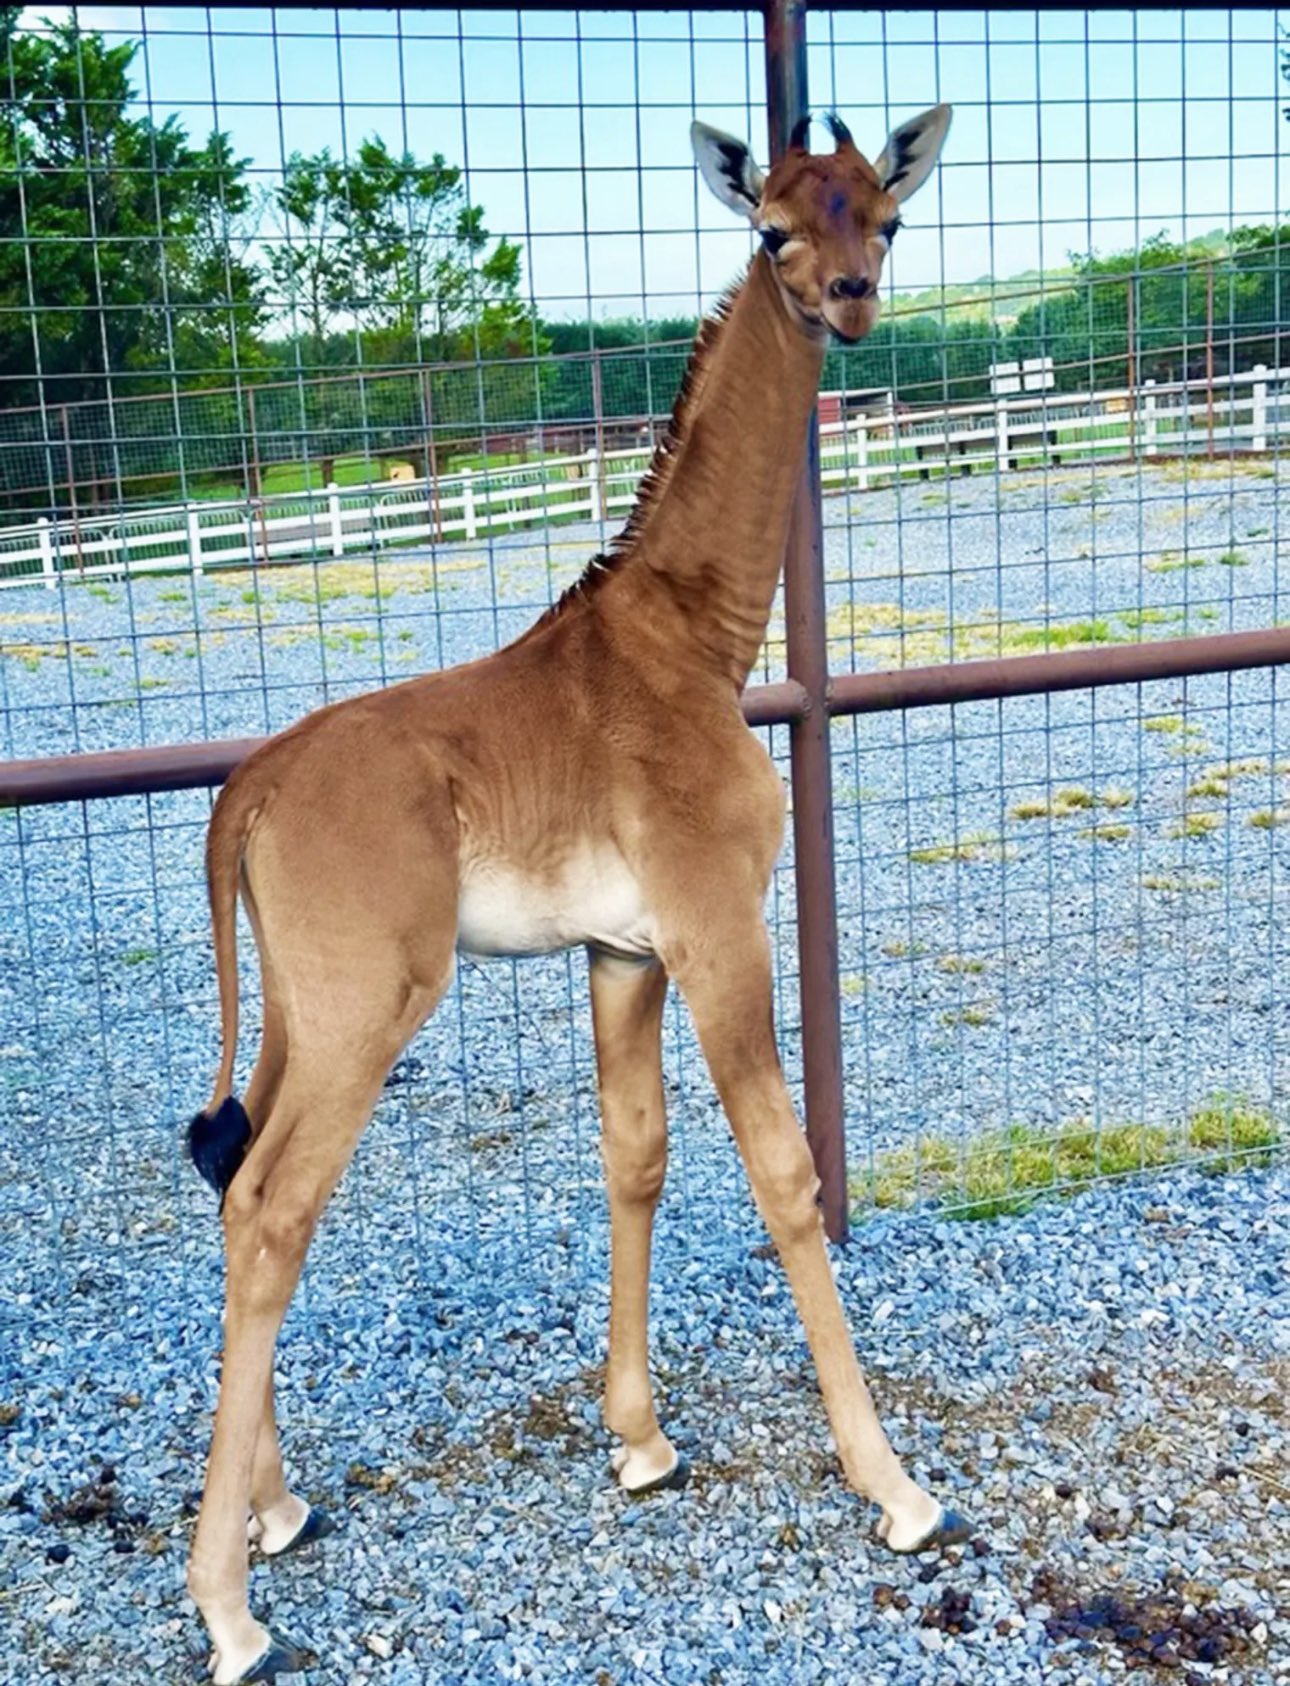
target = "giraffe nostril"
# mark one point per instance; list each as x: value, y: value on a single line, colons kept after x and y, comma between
x: 849, y: 287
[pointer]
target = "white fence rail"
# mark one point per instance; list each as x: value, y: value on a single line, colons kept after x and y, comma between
x: 1247, y: 411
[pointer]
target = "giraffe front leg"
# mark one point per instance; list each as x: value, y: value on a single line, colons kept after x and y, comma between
x: 727, y: 983
x: 280, y: 1520
x: 627, y: 1011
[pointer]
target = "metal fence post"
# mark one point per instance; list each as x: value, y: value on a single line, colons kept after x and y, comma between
x: 804, y: 606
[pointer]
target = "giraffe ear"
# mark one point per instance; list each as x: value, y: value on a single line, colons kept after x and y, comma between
x: 911, y: 152
x: 727, y: 167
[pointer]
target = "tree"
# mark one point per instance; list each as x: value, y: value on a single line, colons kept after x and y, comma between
x: 216, y: 289
x: 115, y: 232
x: 392, y: 244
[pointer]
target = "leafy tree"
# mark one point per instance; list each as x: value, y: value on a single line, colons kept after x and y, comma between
x: 114, y: 230
x: 1222, y: 300
x: 392, y: 244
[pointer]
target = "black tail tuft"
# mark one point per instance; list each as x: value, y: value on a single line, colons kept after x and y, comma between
x: 217, y: 1145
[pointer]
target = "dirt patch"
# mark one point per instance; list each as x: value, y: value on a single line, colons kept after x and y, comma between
x: 1160, y: 1630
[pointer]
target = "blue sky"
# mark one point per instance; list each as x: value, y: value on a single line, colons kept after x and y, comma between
x: 1072, y: 130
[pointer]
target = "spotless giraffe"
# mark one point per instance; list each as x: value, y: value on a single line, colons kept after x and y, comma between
x: 593, y: 783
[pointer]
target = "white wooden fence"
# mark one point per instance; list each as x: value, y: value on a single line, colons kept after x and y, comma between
x: 1248, y: 411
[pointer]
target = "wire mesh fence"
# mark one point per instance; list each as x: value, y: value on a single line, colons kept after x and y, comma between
x: 333, y: 344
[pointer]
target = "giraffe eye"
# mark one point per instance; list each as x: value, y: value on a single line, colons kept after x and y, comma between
x: 774, y: 239
x: 888, y: 230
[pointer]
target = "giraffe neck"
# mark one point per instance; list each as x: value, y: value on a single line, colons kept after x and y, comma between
x: 713, y: 532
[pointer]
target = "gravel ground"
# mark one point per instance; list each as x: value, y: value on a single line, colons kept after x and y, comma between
x: 1102, y: 1382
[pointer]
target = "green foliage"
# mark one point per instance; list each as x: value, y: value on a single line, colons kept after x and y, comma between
x: 1001, y: 1172
x: 129, y: 229
x: 394, y: 243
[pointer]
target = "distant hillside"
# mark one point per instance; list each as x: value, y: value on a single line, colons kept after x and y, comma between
x: 982, y: 292
x: 1003, y: 298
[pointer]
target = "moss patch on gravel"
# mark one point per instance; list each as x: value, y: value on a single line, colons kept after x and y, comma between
x: 978, y: 846
x: 1195, y: 825
x: 1003, y: 1172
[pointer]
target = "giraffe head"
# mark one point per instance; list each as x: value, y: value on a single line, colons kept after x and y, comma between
x: 826, y: 220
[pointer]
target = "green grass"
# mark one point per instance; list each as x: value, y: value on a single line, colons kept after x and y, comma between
x: 960, y: 963
x: 1177, y: 884
x: 979, y: 846
x: 1188, y: 740
x: 282, y: 477
x: 1136, y: 619
x: 1195, y: 825
x: 1267, y: 818
x: 1071, y: 799
x: 355, y: 639
x: 1060, y: 635
x: 138, y: 956
x: 1170, y: 561
x: 32, y: 655
x: 1002, y: 1172
x: 333, y: 580
x: 1209, y: 785
x: 975, y: 1016
x: 1234, y: 559
x: 1107, y: 833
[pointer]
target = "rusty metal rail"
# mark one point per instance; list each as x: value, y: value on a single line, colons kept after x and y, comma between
x: 1073, y: 670
x: 193, y: 766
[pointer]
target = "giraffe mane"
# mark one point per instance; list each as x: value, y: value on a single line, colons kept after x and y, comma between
x: 667, y: 453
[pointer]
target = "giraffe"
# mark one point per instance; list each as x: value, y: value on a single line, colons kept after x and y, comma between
x: 592, y: 783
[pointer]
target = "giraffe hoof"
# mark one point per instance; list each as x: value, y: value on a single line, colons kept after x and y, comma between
x: 281, y: 1658
x: 951, y: 1529
x: 316, y: 1526
x: 673, y: 1481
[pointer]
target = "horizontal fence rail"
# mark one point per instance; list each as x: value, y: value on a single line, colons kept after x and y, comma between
x: 142, y: 772
x: 1246, y: 411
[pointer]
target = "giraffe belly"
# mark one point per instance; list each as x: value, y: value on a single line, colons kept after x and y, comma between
x: 593, y: 899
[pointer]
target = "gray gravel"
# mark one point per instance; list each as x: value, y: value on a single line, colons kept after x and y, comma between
x: 1103, y: 1383
x: 440, y: 1369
